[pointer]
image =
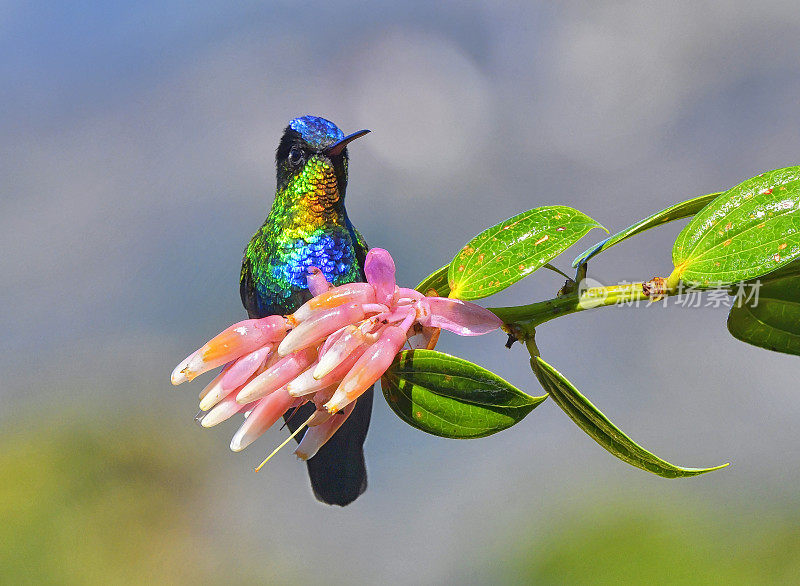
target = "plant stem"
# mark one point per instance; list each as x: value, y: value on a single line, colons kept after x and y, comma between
x: 523, y: 318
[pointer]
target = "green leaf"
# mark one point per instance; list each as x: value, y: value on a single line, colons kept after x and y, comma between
x: 767, y: 315
x: 788, y: 270
x: 503, y: 254
x: 437, y: 281
x: 676, y: 212
x: 450, y: 397
x: 748, y: 231
x: 597, y: 425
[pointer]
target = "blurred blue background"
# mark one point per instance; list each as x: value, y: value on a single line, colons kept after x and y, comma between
x: 136, y: 155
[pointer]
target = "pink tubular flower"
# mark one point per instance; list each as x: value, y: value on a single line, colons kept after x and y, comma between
x: 330, y: 351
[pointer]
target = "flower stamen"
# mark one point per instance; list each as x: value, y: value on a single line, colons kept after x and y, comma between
x: 284, y: 442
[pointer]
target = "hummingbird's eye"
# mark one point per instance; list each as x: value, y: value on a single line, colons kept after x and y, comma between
x: 295, y: 156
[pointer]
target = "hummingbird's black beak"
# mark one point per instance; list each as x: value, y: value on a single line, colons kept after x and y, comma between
x: 337, y: 147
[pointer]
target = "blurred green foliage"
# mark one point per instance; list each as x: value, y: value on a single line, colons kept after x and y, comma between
x: 86, y: 504
x: 623, y: 543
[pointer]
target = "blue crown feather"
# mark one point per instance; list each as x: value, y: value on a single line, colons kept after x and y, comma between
x: 317, y: 132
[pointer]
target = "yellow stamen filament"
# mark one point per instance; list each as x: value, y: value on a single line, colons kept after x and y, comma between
x: 286, y: 441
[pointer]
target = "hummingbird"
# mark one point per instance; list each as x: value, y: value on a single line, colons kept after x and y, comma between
x: 308, y: 226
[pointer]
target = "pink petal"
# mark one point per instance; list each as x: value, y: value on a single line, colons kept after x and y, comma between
x: 318, y: 435
x: 266, y: 412
x: 380, y: 271
x: 399, y: 314
x: 244, y: 367
x: 318, y: 327
x: 334, y: 337
x: 215, y: 386
x: 277, y: 375
x: 403, y: 293
x: 348, y: 293
x: 369, y: 368
x: 235, y: 375
x: 316, y: 281
x: 234, y: 341
x: 340, y: 350
x: 305, y: 383
x: 181, y: 372
x: 461, y: 317
x: 375, y: 308
x: 224, y: 409
x: 215, y: 391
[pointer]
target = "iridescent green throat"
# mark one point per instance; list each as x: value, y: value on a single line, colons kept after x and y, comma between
x: 307, y: 226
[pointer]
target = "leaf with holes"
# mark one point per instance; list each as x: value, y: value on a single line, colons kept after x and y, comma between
x: 767, y: 315
x: 450, y: 397
x: 600, y: 429
x: 748, y: 231
x: 670, y: 214
x: 507, y: 252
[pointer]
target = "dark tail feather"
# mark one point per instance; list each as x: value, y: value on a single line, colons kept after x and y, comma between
x: 338, y: 472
